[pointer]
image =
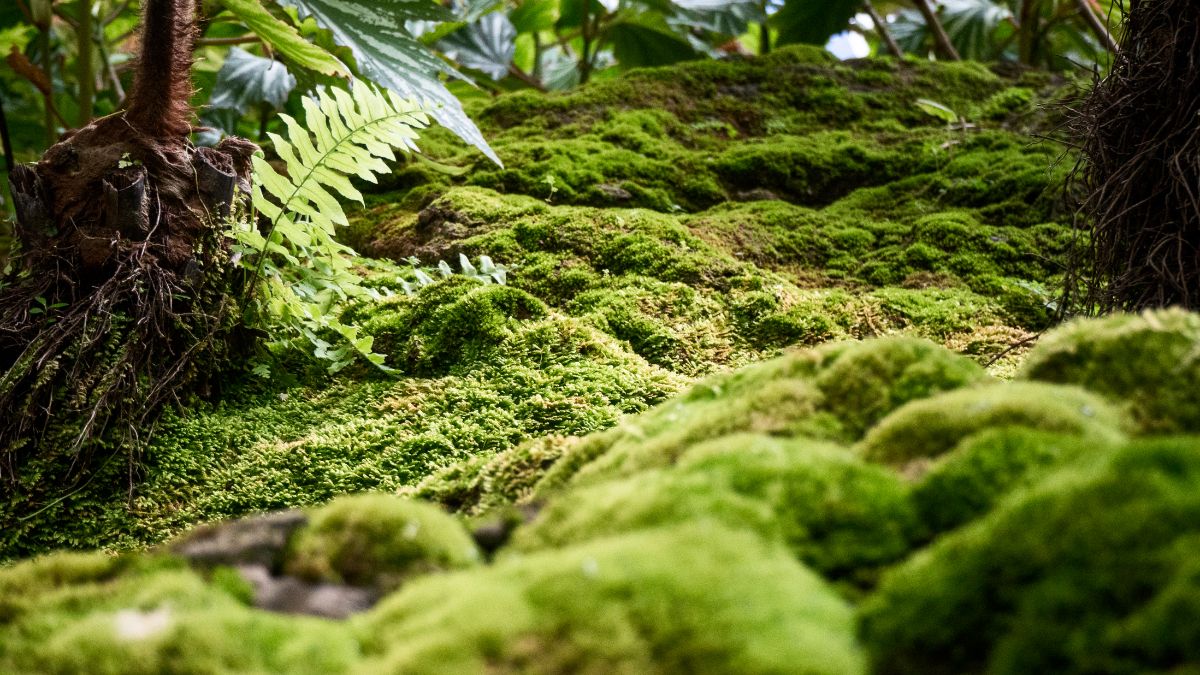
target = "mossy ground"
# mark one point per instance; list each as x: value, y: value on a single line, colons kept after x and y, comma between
x: 701, y: 218
x: 730, y: 414
x: 767, y: 520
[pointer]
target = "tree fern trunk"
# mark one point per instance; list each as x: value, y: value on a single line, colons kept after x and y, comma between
x: 121, y: 283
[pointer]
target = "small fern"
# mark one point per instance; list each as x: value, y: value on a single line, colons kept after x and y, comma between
x: 301, y: 273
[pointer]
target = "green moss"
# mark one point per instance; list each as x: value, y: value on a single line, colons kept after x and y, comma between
x: 968, y: 481
x: 701, y: 599
x: 839, y: 516
x: 456, y: 322
x: 1148, y: 364
x: 379, y: 541
x: 864, y: 382
x: 155, y: 617
x: 932, y: 427
x: 483, y: 483
x: 1094, y: 571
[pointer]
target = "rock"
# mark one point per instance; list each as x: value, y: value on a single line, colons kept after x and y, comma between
x: 255, y: 541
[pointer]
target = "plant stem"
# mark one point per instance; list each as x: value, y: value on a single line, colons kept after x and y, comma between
x: 6, y: 140
x: 1093, y: 20
x: 585, y: 60
x: 881, y: 27
x: 1030, y: 28
x: 85, y: 66
x: 47, y: 96
x: 944, y: 46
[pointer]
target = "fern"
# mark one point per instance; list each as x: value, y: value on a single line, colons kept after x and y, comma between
x: 301, y: 273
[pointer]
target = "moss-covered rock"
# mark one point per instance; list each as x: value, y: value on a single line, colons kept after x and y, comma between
x: 72, y: 613
x: 1148, y: 364
x: 929, y: 428
x: 378, y: 541
x: 698, y: 599
x: 839, y: 516
x: 1093, y: 571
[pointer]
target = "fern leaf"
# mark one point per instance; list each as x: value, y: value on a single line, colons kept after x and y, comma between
x: 344, y: 135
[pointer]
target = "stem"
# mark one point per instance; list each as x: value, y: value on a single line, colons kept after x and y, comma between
x: 1027, y: 41
x: 525, y: 77
x: 6, y: 140
x: 944, y: 46
x: 221, y: 42
x: 881, y: 27
x: 1097, y: 26
x: 86, y: 68
x: 585, y: 61
x: 48, y: 96
x: 537, y: 56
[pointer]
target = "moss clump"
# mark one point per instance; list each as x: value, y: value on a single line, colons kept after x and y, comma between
x: 458, y: 321
x: 968, y: 481
x: 843, y: 518
x: 1147, y: 364
x: 866, y: 381
x: 1093, y: 572
x: 482, y: 483
x: 379, y: 541
x: 832, y: 392
x: 700, y: 599
x: 75, y: 614
x: 931, y: 427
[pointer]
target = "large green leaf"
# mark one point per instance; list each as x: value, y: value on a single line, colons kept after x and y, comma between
x: 813, y: 21
x: 534, y: 15
x: 487, y: 45
x: 728, y: 18
x: 387, y: 53
x: 284, y: 39
x: 246, y: 80
x: 972, y: 24
x: 646, y: 40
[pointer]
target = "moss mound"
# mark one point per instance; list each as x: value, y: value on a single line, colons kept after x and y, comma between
x: 699, y: 599
x: 1093, y: 572
x: 74, y: 613
x: 983, y: 468
x: 839, y: 516
x: 827, y: 393
x: 378, y: 541
x: 1148, y: 364
x: 932, y: 427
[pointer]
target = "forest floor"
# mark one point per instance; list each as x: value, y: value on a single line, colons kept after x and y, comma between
x: 771, y: 386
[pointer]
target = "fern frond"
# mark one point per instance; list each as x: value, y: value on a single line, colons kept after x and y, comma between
x: 345, y: 134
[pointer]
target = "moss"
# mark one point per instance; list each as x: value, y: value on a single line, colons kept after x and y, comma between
x: 480, y: 484
x: 1093, y: 571
x: 458, y: 321
x: 967, y: 482
x: 701, y: 599
x: 864, y: 382
x: 155, y: 617
x: 839, y: 516
x: 932, y: 427
x: 1147, y: 364
x: 378, y: 541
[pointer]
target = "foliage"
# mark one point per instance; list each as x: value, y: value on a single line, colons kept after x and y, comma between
x: 305, y: 271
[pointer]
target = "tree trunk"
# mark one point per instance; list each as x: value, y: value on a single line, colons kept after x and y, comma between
x: 122, y: 283
x: 1139, y: 168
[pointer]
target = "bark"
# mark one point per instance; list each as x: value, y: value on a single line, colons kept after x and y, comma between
x: 944, y: 47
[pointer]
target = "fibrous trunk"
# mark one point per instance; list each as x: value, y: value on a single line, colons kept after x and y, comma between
x: 122, y: 290
x: 1139, y: 171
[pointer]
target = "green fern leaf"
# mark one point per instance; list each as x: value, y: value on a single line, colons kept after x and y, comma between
x: 344, y: 135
